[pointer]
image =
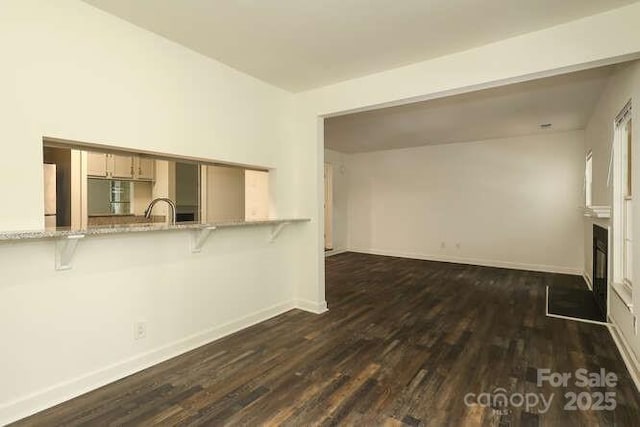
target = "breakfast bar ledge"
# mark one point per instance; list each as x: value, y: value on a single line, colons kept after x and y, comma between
x: 67, y: 239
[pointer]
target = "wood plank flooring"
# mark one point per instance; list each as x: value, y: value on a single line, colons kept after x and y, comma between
x: 403, y: 343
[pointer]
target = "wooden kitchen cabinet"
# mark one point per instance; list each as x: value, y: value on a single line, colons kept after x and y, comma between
x: 120, y: 166
x: 97, y: 164
x: 144, y: 168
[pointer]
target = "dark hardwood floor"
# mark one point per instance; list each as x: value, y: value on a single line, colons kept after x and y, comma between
x: 403, y: 343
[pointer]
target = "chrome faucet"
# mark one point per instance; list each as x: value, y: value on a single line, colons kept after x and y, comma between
x: 171, y: 203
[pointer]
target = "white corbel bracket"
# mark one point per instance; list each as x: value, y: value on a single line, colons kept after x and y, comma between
x: 276, y: 230
x: 65, y: 249
x: 199, y: 237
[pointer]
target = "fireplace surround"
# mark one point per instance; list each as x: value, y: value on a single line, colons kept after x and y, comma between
x: 600, y: 266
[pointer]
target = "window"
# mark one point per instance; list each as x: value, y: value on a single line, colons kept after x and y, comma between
x: 588, y: 179
x: 627, y: 158
x: 622, y: 201
x: 627, y: 199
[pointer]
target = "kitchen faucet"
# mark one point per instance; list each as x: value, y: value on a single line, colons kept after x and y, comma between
x: 171, y: 203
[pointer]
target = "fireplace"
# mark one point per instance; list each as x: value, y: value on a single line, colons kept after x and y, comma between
x: 600, y: 266
x: 577, y: 302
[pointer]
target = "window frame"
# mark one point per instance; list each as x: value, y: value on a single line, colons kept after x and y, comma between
x: 622, y: 240
x: 588, y: 180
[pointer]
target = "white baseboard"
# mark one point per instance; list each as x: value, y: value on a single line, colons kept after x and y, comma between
x: 630, y: 360
x: 474, y: 261
x: 335, y: 252
x: 311, y: 306
x: 43, y: 399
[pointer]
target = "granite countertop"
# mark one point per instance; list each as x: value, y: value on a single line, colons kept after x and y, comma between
x: 62, y: 232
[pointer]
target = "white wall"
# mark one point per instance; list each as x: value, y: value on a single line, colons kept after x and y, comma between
x: 340, y: 198
x: 142, y: 195
x: 623, y: 85
x: 512, y: 202
x: 73, y: 72
x: 256, y: 195
x: 164, y: 185
x: 225, y: 193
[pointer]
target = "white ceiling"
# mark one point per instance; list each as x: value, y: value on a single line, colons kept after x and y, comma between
x: 566, y: 101
x: 301, y: 44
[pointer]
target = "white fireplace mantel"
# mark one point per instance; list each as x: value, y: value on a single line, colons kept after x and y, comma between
x: 597, y: 211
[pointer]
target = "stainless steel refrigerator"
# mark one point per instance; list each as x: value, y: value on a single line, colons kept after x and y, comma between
x: 50, y: 198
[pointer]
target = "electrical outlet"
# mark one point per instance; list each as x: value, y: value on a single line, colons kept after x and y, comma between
x: 140, y: 330
x: 442, y: 245
x: 458, y: 245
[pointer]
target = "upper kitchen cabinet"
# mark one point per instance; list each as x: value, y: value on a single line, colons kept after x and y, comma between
x: 106, y: 165
x: 120, y: 166
x: 97, y: 164
x: 144, y: 168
